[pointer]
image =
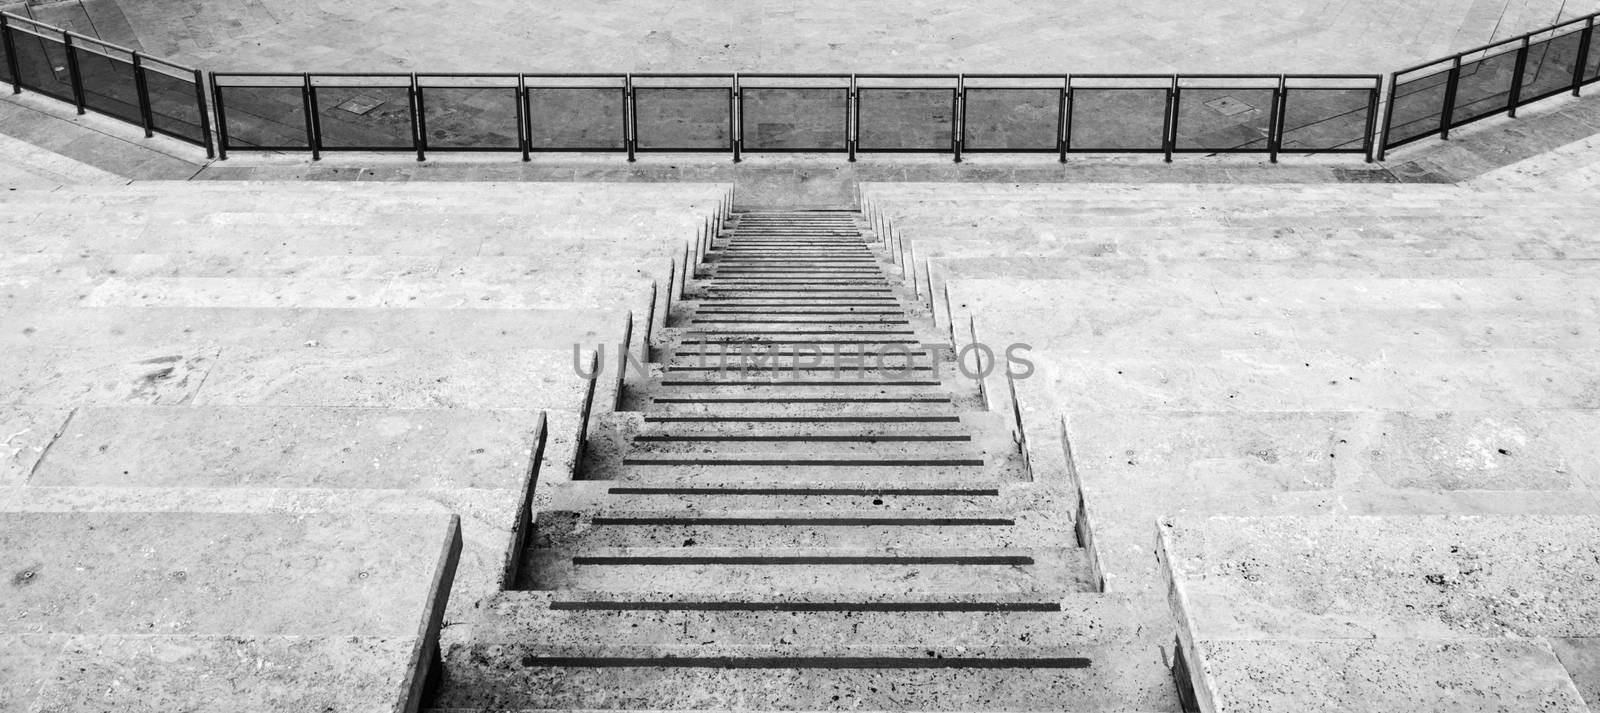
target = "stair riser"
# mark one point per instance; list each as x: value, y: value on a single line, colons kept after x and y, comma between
x: 1127, y: 680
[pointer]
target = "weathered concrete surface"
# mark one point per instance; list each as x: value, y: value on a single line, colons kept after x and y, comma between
x: 1386, y: 675
x: 291, y: 447
x: 1383, y: 613
x: 828, y: 35
x: 1316, y: 353
x: 156, y: 611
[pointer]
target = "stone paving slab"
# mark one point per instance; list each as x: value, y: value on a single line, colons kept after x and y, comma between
x: 1385, y: 675
x: 151, y: 374
x: 336, y: 328
x: 289, y: 447
x: 1512, y: 450
x: 1388, y: 379
x: 1428, y: 577
x: 1383, y: 613
x: 156, y: 611
x: 394, y: 378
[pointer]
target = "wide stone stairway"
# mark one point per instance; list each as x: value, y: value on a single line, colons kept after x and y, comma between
x: 804, y: 505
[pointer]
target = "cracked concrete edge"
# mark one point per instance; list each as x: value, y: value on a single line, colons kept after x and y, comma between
x: 61, y: 428
x: 1200, y: 684
x: 425, y: 655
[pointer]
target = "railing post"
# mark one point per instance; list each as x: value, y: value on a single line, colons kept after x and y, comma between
x: 1063, y: 120
x: 142, y: 88
x: 736, y: 118
x: 1280, y: 101
x: 630, y: 118
x: 1447, y: 115
x: 205, y: 117
x: 72, y: 71
x: 1515, y: 96
x: 1577, y: 69
x: 1369, y: 138
x: 1169, y: 130
x: 852, y: 119
x: 1388, y: 118
x: 419, y: 122
x: 308, y: 103
x: 222, y: 120
x: 524, y: 131
x: 16, y: 74
x: 958, y: 118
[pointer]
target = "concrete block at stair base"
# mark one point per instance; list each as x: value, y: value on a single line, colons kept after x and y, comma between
x: 491, y: 520
x: 149, y: 375
x: 1123, y: 521
x: 477, y: 464
x: 394, y: 378
x: 1383, y: 675
x: 162, y: 611
x: 1384, y: 613
x: 1387, y: 577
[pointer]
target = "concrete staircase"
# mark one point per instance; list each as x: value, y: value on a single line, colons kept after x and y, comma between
x: 804, y: 506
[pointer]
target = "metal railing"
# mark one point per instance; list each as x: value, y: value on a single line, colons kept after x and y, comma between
x: 850, y: 114
x: 823, y: 113
x: 1432, y: 98
x: 130, y: 86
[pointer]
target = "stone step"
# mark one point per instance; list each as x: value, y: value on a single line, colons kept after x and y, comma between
x: 730, y: 623
x: 584, y: 600
x: 1102, y: 677
x: 782, y: 449
x: 801, y: 403
x: 757, y: 330
x: 865, y: 569
x: 779, y: 386
x: 847, y: 497
x: 796, y: 529
x: 964, y: 426
x: 887, y: 469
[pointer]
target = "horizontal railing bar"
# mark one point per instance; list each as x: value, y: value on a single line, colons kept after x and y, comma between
x: 791, y: 75
x: 468, y: 75
x: 1426, y: 65
x: 996, y: 75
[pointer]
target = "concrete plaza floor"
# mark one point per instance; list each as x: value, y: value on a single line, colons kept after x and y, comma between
x: 830, y: 35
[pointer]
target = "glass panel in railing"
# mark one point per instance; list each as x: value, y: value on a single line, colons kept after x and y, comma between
x: 1223, y: 119
x: 264, y: 117
x: 364, y: 118
x: 42, y: 65
x: 5, y: 67
x: 1551, y: 66
x: 1485, y: 87
x: 1418, y: 106
x: 683, y: 118
x: 1317, y: 119
x: 471, y: 117
x: 109, y: 86
x: 175, y: 107
x: 906, y: 119
x: 1118, y: 119
x: 1012, y: 119
x: 795, y: 118
x: 1591, y: 68
x: 576, y: 118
